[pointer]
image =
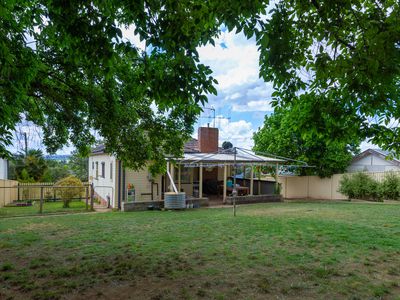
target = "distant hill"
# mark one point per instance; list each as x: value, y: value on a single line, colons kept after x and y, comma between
x: 60, y: 157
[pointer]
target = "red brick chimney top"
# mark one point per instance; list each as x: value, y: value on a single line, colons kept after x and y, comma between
x: 208, y: 139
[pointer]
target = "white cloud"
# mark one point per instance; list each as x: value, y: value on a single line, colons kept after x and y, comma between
x: 233, y: 96
x: 260, y: 105
x: 234, y: 65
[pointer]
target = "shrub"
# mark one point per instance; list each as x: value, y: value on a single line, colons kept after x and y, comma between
x: 359, y: 186
x: 390, y: 187
x: 73, y: 188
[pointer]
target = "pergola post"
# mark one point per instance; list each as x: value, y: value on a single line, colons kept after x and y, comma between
x: 225, y: 184
x: 251, y: 180
x: 201, y: 181
x: 179, y: 177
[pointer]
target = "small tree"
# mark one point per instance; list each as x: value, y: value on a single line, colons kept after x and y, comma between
x: 359, y: 186
x: 72, y: 187
x: 227, y: 145
x: 390, y: 187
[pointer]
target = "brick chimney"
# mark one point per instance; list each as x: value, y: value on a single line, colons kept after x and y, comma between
x: 208, y: 139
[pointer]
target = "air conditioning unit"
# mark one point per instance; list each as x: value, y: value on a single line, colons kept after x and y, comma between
x: 150, y: 177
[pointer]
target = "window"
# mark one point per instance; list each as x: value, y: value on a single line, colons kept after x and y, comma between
x: 97, y: 169
x: 103, y: 169
x: 111, y: 170
x: 185, y: 175
x: 92, y: 165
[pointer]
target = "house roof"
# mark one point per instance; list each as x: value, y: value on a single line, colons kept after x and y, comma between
x: 376, y: 152
x: 191, y: 146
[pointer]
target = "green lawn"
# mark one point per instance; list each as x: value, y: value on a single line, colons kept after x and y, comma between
x: 269, y: 251
x: 48, y: 207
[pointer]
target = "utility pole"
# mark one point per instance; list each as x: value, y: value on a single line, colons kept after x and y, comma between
x: 26, y: 144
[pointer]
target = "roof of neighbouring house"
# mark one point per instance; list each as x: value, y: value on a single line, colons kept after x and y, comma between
x: 377, y: 152
x: 191, y: 146
x: 99, y: 149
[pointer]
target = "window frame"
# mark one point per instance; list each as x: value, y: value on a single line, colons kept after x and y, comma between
x: 103, y: 169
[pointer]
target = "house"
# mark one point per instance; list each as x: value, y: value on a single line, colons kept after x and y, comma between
x: 203, y: 173
x: 3, y: 168
x: 374, y: 160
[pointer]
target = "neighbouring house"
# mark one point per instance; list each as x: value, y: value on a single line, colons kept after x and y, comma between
x: 205, y: 173
x: 3, y: 168
x: 374, y: 160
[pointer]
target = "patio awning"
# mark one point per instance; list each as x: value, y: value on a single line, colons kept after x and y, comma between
x: 227, y: 158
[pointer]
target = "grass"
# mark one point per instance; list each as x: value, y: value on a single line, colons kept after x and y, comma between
x: 281, y: 250
x: 48, y: 207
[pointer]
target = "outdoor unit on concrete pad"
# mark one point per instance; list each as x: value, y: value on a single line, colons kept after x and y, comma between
x: 175, y: 200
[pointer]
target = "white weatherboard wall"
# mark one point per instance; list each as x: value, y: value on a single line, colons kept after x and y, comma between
x: 372, y: 163
x: 104, y: 186
x: 142, y: 181
x: 3, y: 169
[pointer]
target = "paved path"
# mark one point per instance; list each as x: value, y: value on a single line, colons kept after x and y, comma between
x: 100, y: 208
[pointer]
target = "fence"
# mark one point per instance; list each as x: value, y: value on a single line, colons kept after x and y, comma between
x: 7, y: 193
x: 314, y: 187
x: 27, y: 198
x: 32, y: 191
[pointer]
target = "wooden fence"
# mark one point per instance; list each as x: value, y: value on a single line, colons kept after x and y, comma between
x: 32, y: 191
x: 11, y: 191
x: 7, y: 192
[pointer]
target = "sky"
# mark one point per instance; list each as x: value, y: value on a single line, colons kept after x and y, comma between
x: 243, y: 98
x: 242, y: 101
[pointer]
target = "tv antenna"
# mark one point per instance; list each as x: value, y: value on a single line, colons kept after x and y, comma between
x: 213, y: 117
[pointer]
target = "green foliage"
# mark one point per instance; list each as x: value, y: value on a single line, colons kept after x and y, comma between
x: 24, y: 176
x: 328, y: 152
x: 79, y: 166
x: 359, y: 186
x: 341, y: 52
x: 390, y: 186
x: 67, y: 67
x: 55, y: 171
x: 73, y: 188
x: 30, y: 167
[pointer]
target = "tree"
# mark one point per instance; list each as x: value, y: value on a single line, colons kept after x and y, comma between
x: 227, y: 145
x: 79, y: 166
x: 336, y: 51
x: 67, y: 67
x: 55, y: 171
x: 30, y: 167
x: 69, y: 188
x: 327, y: 152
